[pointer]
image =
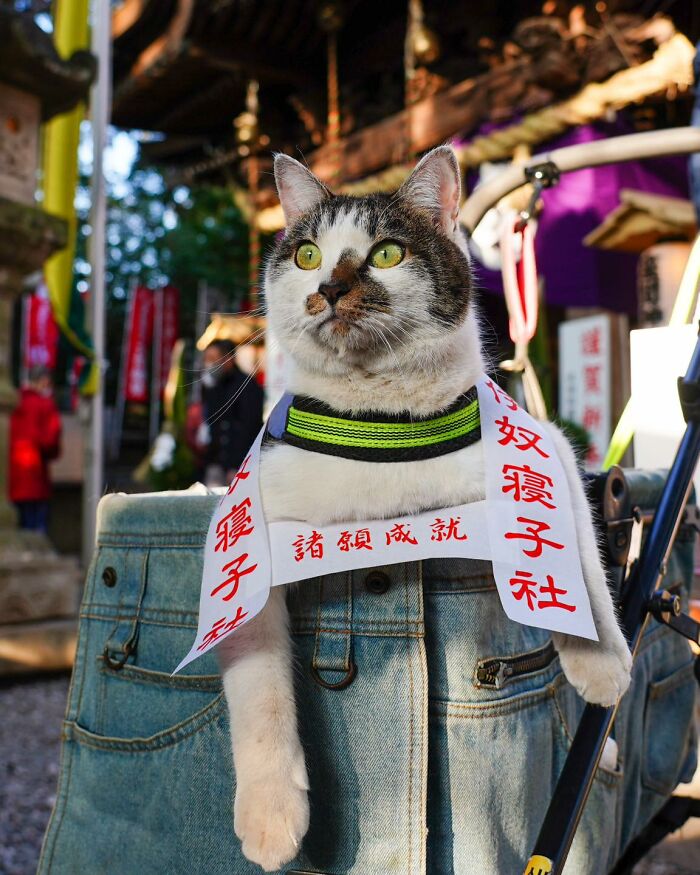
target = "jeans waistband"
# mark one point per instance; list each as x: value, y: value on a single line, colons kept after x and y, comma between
x: 151, y: 549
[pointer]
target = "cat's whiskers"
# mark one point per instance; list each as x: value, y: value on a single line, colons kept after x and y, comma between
x: 375, y: 325
x: 216, y: 416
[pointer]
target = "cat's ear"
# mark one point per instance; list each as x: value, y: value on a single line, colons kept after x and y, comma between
x: 434, y: 186
x: 299, y: 190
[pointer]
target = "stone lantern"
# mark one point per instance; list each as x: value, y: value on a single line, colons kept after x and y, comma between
x: 38, y: 588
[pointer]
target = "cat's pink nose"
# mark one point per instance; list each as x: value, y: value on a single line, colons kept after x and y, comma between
x: 332, y: 291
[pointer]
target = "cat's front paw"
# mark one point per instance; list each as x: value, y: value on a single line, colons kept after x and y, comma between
x: 599, y: 676
x: 271, y: 815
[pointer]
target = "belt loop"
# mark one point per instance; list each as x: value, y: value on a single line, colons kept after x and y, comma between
x: 333, y: 646
x: 132, y: 587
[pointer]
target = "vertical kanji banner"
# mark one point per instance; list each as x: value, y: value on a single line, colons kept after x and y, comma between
x: 237, y: 571
x: 40, y: 342
x: 140, y: 333
x: 530, y: 519
x: 170, y: 329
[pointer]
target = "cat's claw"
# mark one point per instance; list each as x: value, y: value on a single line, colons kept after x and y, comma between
x: 271, y: 816
x: 600, y: 677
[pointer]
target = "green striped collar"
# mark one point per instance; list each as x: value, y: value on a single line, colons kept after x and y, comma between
x: 381, y: 437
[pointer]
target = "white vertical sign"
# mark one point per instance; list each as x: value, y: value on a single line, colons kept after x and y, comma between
x: 584, y: 380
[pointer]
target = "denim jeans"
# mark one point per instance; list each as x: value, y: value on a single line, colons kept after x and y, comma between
x: 33, y: 515
x: 424, y: 762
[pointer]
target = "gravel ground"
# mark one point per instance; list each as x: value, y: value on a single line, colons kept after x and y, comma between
x: 30, y: 728
x: 32, y: 710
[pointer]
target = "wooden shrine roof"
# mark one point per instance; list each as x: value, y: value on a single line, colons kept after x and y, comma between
x: 29, y: 62
x: 643, y: 219
x: 181, y: 68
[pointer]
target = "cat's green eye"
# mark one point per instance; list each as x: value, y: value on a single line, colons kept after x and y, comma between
x: 387, y: 254
x: 308, y: 256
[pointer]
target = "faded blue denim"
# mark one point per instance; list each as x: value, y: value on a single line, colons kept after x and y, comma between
x: 412, y: 743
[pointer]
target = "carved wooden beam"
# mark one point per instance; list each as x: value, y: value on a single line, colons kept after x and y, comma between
x: 426, y: 124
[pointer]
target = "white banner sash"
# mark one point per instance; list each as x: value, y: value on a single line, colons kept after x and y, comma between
x: 525, y: 526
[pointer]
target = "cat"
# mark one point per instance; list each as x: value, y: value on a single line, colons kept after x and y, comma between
x: 403, y: 336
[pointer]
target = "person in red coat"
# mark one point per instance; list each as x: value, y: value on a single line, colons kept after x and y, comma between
x: 35, y: 439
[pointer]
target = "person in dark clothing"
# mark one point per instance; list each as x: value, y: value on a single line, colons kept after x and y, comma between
x: 232, y: 410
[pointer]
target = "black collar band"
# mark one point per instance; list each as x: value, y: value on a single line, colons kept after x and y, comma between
x: 376, y: 437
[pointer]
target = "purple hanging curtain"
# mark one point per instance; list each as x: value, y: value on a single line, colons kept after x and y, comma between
x: 576, y: 275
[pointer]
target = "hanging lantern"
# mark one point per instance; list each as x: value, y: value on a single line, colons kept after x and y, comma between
x: 249, y: 140
x: 330, y: 19
x: 421, y: 47
x: 330, y: 16
x: 246, y: 124
x: 422, y: 44
x: 426, y: 45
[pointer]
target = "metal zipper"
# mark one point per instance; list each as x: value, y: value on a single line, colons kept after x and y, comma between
x: 496, y: 673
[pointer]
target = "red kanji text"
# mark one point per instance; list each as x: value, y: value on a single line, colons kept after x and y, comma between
x: 553, y: 592
x: 590, y: 342
x: 241, y: 474
x: 592, y: 417
x: 311, y: 546
x: 523, y: 438
x: 524, y: 587
x: 533, y: 532
x: 500, y: 395
x: 591, y: 378
x: 222, y: 627
x: 235, y: 525
x: 235, y: 572
x: 361, y: 540
x: 400, y: 534
x: 528, y: 485
x: 443, y: 531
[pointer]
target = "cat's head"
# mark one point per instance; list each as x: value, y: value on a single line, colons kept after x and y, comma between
x: 368, y: 282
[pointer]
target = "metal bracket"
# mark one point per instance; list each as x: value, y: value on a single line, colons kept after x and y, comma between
x: 541, y: 176
x: 666, y: 608
x: 691, y: 517
x: 689, y: 395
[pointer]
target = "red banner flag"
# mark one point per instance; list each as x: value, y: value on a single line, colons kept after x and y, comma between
x: 140, y: 333
x: 40, y: 346
x: 170, y: 315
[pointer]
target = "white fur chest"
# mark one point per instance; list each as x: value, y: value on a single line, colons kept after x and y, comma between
x: 315, y: 488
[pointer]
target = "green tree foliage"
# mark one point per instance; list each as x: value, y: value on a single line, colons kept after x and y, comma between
x: 158, y: 234
x: 209, y: 243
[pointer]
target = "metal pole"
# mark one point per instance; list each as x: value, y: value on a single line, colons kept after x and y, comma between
x: 156, y: 357
x: 100, y: 98
x: 201, y: 321
x: 117, y: 425
x: 23, y: 369
x: 631, y: 147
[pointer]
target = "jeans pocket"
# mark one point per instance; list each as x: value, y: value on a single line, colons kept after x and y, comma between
x: 168, y: 736
x: 668, y: 713
x: 136, y: 702
x: 492, y: 767
x: 139, y: 700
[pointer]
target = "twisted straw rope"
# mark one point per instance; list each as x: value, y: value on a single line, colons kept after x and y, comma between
x: 671, y: 67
